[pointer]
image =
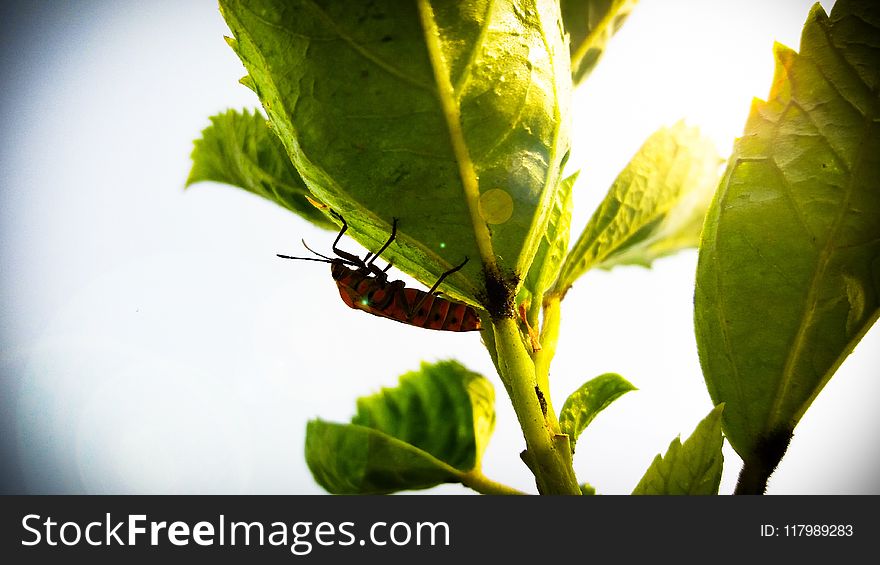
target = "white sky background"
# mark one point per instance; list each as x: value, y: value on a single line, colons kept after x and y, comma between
x: 153, y: 343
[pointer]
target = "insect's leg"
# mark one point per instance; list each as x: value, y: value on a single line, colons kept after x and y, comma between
x: 436, y: 286
x: 384, y: 247
x: 344, y: 254
x: 368, y: 261
x: 341, y: 232
x: 382, y: 274
x: 446, y: 274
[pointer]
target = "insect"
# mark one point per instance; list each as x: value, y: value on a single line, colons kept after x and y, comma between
x: 364, y: 286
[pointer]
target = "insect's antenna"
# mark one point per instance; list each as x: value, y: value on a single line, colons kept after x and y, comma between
x: 306, y: 245
x: 304, y: 258
x: 323, y: 258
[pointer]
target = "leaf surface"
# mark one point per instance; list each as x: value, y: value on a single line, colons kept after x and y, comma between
x: 449, y: 116
x: 240, y: 149
x: 587, y: 401
x: 655, y: 206
x: 788, y: 279
x: 690, y: 468
x: 349, y: 459
x: 430, y: 429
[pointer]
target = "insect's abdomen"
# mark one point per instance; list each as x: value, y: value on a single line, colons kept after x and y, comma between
x: 437, y: 313
x: 395, y: 301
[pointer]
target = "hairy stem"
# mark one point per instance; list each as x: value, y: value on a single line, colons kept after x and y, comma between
x: 752, y: 479
x: 762, y: 461
x: 547, y: 453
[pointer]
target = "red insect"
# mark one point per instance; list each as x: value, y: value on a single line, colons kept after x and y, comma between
x: 363, y: 286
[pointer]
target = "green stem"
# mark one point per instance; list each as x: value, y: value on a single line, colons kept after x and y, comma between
x: 549, y: 338
x: 479, y: 482
x: 547, y: 453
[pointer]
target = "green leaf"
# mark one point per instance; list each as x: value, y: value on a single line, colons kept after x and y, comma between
x: 655, y: 206
x: 553, y: 244
x: 349, y: 459
x: 692, y: 468
x: 443, y: 409
x: 432, y: 428
x: 240, y: 149
x: 449, y: 116
x: 586, y: 402
x: 591, y: 24
x: 788, y: 279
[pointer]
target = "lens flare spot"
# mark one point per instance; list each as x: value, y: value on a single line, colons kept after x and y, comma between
x: 496, y: 206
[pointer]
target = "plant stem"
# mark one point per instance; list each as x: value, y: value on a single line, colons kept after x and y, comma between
x: 752, y: 479
x: 549, y: 338
x: 547, y: 452
x: 479, y: 482
x: 762, y: 461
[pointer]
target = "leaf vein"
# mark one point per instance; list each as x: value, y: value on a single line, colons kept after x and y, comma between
x: 789, y: 195
x: 517, y: 119
x: 801, y: 337
x: 465, y: 77
x: 366, y: 53
x: 452, y: 115
x: 845, y: 63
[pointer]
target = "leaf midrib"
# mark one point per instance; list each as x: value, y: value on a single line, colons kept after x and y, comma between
x: 801, y: 337
x: 452, y: 116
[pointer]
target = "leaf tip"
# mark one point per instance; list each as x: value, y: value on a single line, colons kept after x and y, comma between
x: 782, y: 52
x: 248, y: 81
x: 817, y: 14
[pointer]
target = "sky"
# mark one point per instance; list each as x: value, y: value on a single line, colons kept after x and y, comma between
x: 151, y: 342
